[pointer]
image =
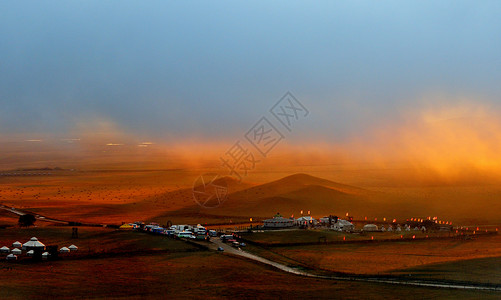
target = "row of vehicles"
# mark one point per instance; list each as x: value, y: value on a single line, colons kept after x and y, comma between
x: 179, y: 231
x: 191, y: 232
x: 197, y: 232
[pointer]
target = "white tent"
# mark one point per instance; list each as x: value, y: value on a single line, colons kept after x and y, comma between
x: 306, y: 220
x: 370, y: 227
x: 343, y: 225
x: 16, y: 251
x: 45, y: 255
x: 73, y: 248
x: 4, y: 249
x: 64, y: 250
x: 33, y: 243
x: 30, y: 253
x: 16, y: 245
x: 11, y: 257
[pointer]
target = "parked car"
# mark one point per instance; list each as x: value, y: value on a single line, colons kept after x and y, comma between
x: 220, y: 249
x: 186, y: 234
x: 242, y: 245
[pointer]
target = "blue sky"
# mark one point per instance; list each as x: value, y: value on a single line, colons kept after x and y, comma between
x: 170, y: 70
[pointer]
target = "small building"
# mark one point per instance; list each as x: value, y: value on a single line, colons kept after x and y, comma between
x: 73, y: 248
x: 17, y: 245
x: 45, y: 255
x: 278, y: 222
x: 4, y: 249
x: 11, y: 257
x: 30, y: 253
x: 64, y: 250
x: 16, y: 251
x: 370, y: 227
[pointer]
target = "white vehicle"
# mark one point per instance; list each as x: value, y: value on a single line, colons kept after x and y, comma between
x: 186, y: 234
x: 180, y: 228
x: 199, y: 229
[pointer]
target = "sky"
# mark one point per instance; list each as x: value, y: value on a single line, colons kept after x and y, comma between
x: 169, y: 72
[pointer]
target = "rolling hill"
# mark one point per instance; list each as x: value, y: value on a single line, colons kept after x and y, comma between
x: 288, y: 196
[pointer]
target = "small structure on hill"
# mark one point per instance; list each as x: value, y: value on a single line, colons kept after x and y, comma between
x: 17, y: 244
x: 4, y: 249
x: 278, y: 222
x: 30, y: 253
x: 73, y: 248
x: 64, y: 250
x: 11, y: 257
x: 45, y: 255
x: 16, y: 251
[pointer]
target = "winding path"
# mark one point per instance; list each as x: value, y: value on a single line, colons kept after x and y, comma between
x: 216, y: 242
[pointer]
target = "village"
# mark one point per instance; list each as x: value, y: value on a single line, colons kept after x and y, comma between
x: 345, y: 230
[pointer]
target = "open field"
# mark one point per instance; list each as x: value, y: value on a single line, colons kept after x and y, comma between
x: 485, y: 270
x: 197, y: 275
x: 381, y: 258
x: 129, y: 264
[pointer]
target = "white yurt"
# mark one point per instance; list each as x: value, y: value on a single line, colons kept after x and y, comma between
x: 16, y: 251
x: 370, y: 227
x: 33, y: 243
x: 30, y: 253
x: 11, y: 257
x: 4, y: 249
x: 64, y: 250
x: 73, y: 248
x: 45, y: 255
x: 17, y: 244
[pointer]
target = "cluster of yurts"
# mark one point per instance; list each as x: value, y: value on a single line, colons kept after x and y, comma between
x: 31, y: 247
